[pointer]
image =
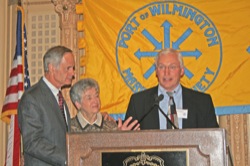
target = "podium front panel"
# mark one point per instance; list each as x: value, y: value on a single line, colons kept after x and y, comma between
x: 185, y: 147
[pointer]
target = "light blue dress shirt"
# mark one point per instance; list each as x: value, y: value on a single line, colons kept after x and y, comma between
x: 164, y: 105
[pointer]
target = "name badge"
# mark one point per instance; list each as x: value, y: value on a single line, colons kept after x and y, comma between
x: 182, y: 113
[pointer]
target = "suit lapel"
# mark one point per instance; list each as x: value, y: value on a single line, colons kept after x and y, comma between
x: 154, y: 115
x: 185, y: 105
x: 68, y: 117
x: 190, y: 105
x: 52, y: 103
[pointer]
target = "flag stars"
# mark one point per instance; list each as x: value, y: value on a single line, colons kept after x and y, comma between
x: 26, y: 85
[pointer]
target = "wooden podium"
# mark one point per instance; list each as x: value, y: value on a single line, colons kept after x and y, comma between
x: 185, y: 147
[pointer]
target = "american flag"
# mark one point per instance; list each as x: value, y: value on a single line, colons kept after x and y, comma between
x: 18, y: 82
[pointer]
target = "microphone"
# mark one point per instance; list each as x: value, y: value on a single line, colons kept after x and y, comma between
x: 156, y: 103
x: 166, y: 116
x: 158, y: 99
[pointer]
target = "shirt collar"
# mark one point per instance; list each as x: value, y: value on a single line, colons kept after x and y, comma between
x: 84, y: 122
x: 163, y: 91
x: 51, y: 87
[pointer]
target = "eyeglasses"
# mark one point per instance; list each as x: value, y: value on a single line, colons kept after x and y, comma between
x: 170, y: 67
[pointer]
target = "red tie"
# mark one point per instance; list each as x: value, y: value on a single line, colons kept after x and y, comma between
x: 61, y: 105
x: 172, y: 111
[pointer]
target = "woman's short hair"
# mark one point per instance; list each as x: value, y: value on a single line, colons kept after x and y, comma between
x: 81, y: 87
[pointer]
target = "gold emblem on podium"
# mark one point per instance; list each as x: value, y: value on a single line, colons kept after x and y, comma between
x: 143, y: 160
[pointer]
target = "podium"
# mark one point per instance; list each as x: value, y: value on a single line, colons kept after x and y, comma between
x: 185, y: 147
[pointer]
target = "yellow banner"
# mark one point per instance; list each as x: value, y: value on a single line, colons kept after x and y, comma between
x: 121, y: 39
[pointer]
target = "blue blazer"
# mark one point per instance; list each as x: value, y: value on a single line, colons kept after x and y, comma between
x: 201, y: 112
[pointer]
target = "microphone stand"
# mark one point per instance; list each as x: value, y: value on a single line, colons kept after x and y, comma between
x: 157, y: 100
x: 175, y: 127
x: 142, y: 118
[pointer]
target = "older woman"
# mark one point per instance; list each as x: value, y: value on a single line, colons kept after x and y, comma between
x: 85, y: 96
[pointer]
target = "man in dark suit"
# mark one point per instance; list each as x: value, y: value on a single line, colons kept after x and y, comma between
x: 194, y: 109
x: 42, y: 124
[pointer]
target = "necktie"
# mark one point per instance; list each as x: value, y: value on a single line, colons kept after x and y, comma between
x: 61, y: 105
x: 172, y: 111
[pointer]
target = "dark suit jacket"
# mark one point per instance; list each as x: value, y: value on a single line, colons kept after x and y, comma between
x: 42, y: 127
x: 201, y: 113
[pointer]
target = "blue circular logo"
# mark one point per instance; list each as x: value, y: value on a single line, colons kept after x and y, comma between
x: 168, y: 24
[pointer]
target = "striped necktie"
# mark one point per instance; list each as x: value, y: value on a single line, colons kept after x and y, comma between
x: 61, y: 105
x: 172, y: 111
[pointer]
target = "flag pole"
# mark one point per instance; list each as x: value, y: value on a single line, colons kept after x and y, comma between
x: 23, y: 62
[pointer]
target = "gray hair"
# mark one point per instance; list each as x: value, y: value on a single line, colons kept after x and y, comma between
x: 54, y: 56
x: 81, y: 87
x: 170, y: 51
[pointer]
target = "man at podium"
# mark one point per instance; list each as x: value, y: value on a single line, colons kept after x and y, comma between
x: 169, y: 104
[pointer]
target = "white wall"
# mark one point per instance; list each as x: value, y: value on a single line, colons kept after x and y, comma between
x: 6, y: 55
